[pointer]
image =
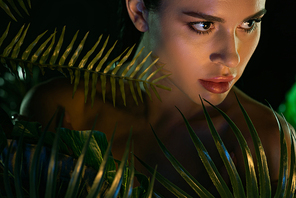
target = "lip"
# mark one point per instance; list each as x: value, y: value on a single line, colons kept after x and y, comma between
x: 217, y: 85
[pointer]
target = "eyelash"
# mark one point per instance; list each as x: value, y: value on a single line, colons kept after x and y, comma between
x: 253, y: 28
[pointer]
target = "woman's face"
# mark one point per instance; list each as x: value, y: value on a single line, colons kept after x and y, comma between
x: 204, y: 44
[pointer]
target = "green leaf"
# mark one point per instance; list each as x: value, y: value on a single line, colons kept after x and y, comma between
x: 150, y: 189
x: 98, y: 182
x: 165, y: 182
x: 28, y: 50
x: 195, y: 185
x: 3, y: 140
x: 73, y: 186
x: 251, y: 179
x: 130, y: 180
x: 8, y: 49
x: 264, y: 179
x: 291, y: 184
x: 52, y: 167
x: 6, y: 172
x: 283, y: 170
x: 4, y: 35
x: 116, y: 184
x: 57, y: 49
x: 68, y: 49
x: 6, y: 9
x: 238, y: 189
x: 34, y: 167
x: 18, y: 166
x: 208, y: 163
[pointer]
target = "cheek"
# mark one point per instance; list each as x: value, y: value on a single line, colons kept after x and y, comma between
x: 248, y: 47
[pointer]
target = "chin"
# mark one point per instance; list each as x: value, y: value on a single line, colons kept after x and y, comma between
x: 214, y: 99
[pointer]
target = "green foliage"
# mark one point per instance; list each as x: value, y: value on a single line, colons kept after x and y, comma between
x: 7, y: 8
x: 119, y: 183
x: 286, y: 183
x: 91, y: 148
x: 96, y: 69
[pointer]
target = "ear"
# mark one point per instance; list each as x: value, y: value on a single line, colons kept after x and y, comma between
x: 138, y: 14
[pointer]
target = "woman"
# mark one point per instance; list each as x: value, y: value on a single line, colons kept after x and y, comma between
x: 205, y: 45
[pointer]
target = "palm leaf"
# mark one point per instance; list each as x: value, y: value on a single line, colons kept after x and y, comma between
x: 291, y: 184
x: 264, y: 179
x: 165, y: 182
x: 283, y: 171
x: 73, y: 186
x: 150, y: 189
x: 98, y: 182
x: 52, y: 167
x: 47, y: 56
x: 130, y: 180
x: 251, y: 179
x: 34, y: 168
x: 17, y: 168
x: 7, y: 8
x: 238, y: 189
x: 6, y: 172
x: 116, y: 184
x: 208, y: 163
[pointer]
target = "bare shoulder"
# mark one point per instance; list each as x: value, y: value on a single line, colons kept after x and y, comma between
x: 266, y: 123
x: 43, y: 100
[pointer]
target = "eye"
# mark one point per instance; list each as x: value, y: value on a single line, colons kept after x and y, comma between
x: 250, y: 25
x: 202, y: 27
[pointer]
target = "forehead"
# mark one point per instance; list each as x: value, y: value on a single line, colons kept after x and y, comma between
x: 214, y: 6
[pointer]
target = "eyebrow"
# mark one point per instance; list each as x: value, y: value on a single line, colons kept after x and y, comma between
x: 218, y: 19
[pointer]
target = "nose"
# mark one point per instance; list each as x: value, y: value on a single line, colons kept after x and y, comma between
x: 226, y: 50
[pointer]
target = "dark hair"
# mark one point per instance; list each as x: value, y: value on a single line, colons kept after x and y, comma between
x: 128, y: 34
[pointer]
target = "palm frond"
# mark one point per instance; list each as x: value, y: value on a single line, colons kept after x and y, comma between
x: 116, y: 184
x: 92, y: 67
x: 52, y: 168
x: 7, y: 8
x: 264, y: 179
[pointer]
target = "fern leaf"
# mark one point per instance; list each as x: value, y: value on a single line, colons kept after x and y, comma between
x: 115, y: 70
x: 6, y: 9
x: 133, y: 92
x: 103, y: 85
x: 147, y: 69
x: 45, y: 55
x: 132, y: 63
x: 27, y: 52
x: 121, y: 85
x: 92, y: 63
x: 153, y: 73
x: 113, y: 89
x: 86, y: 85
x: 8, y: 49
x: 147, y: 91
x: 94, y: 88
x: 57, y: 49
x: 76, y: 82
x: 98, y: 56
x: 17, y: 47
x: 104, y: 59
x: 36, y: 55
x: 139, y: 91
x: 78, y: 51
x: 139, y: 66
x: 22, y: 4
x: 4, y: 35
x: 12, y: 4
x: 156, y: 93
x: 68, y: 50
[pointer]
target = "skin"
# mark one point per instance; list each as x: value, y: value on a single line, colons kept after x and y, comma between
x: 188, y: 57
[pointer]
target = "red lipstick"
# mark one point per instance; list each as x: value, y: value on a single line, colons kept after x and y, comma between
x: 217, y: 85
